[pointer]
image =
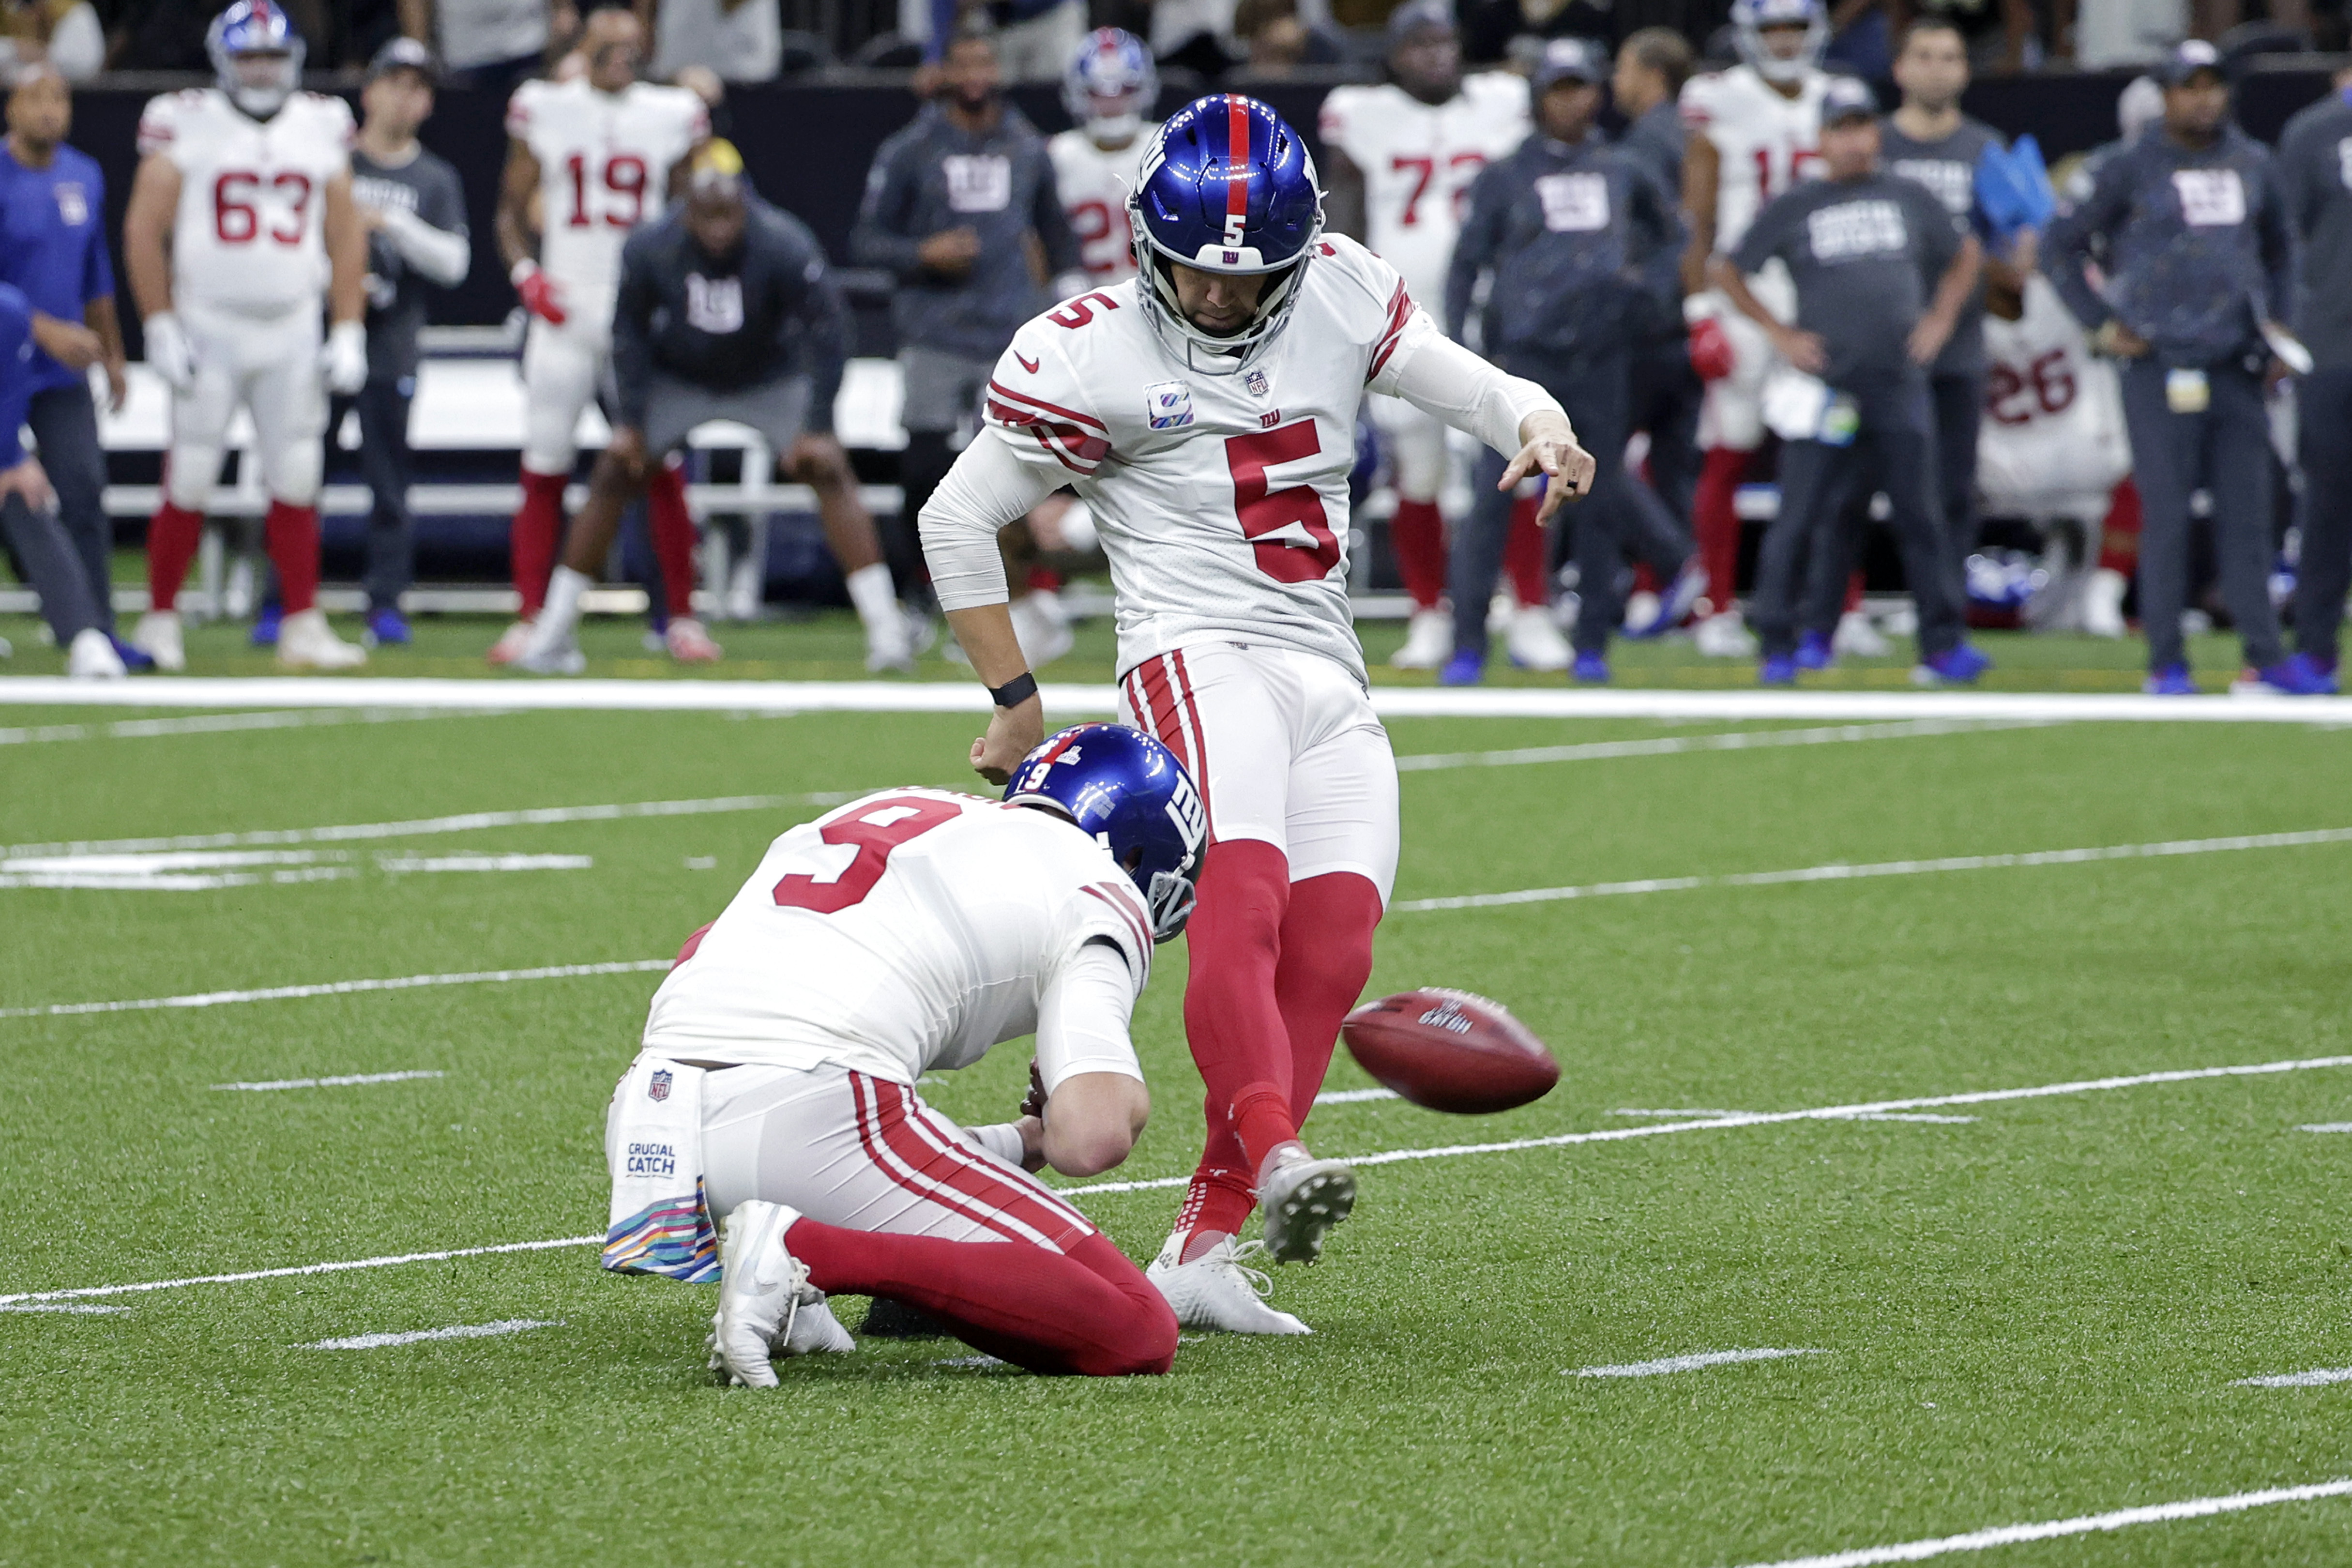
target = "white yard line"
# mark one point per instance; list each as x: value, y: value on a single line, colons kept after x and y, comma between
x: 1732, y: 741
x: 1609, y: 1135
x: 1685, y: 1362
x: 1841, y: 873
x: 484, y: 862
x: 457, y: 1332
x: 2319, y: 1377
x: 73, y: 1307
x: 2050, y: 1530
x: 2326, y: 1127
x: 967, y: 697
x: 338, y: 1082
x: 1354, y: 1096
x: 1879, y: 1116
x: 216, y: 724
x: 194, y: 870
x: 338, y: 988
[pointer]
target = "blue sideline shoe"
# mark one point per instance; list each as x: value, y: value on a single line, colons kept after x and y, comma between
x: 1674, y: 603
x: 1778, y: 669
x: 387, y: 627
x: 2289, y: 678
x: 1592, y: 669
x: 265, y: 624
x: 1814, y: 652
x: 1957, y: 666
x: 2172, y: 680
x: 1464, y: 668
x: 137, y: 660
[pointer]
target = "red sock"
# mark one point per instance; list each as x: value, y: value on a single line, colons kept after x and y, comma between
x: 538, y: 523
x: 1224, y: 1189
x: 1853, y: 590
x: 1042, y: 580
x: 173, y: 536
x: 1087, y: 1310
x: 1417, y: 535
x: 1523, y: 553
x: 291, y: 535
x: 672, y: 527
x: 2120, y: 536
x: 1327, y: 957
x: 1715, y: 517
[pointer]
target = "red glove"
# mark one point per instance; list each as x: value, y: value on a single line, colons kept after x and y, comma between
x: 1710, y: 350
x: 538, y: 293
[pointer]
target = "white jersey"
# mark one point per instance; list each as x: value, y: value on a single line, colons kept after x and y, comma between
x: 905, y: 932
x: 2053, y: 443
x: 1093, y: 185
x: 1765, y: 141
x: 1222, y: 499
x: 1418, y: 160
x: 250, y: 234
x: 605, y: 160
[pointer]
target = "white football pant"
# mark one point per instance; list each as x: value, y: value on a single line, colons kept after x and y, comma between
x: 1416, y: 443
x: 270, y: 364
x: 563, y: 368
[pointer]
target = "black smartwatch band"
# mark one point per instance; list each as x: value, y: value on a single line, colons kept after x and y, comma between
x: 1015, y: 691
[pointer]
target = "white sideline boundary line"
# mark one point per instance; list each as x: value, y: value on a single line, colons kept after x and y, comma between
x: 2317, y: 1377
x: 1842, y: 872
x: 1387, y: 1157
x: 2048, y: 1530
x: 967, y: 697
x: 337, y: 988
x: 1731, y: 741
x: 1674, y: 1364
x: 455, y: 1331
x: 215, y: 723
x: 340, y: 1081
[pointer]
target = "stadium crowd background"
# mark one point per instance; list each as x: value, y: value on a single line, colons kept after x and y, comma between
x: 809, y: 89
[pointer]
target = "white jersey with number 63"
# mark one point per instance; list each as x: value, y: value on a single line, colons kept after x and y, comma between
x: 605, y: 160
x: 905, y: 932
x: 1223, y: 500
x: 250, y: 234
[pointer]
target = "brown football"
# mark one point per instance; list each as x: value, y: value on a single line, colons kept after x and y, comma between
x: 1449, y: 1050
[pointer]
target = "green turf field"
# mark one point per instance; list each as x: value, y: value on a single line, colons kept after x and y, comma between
x: 2038, y: 1312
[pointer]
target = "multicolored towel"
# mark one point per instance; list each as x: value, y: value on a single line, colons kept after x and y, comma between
x: 660, y: 1220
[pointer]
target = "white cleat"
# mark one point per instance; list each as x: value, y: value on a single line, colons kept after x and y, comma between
x: 891, y: 649
x: 1534, y: 641
x: 510, y: 645
x: 91, y: 656
x: 1042, y: 628
x: 766, y: 1306
x: 305, y: 641
x: 689, y: 642
x: 158, y: 636
x: 548, y: 653
x: 2102, y: 602
x: 1724, y: 636
x: 1217, y: 1290
x: 1303, y: 1199
x: 1858, y: 636
x: 1428, y: 641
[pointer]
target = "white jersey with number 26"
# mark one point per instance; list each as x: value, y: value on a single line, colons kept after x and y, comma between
x: 250, y: 234
x: 1765, y: 141
x: 1418, y: 160
x: 1093, y: 185
x: 1223, y: 500
x: 605, y: 160
x: 905, y: 932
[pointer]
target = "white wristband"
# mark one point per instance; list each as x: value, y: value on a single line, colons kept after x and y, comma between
x: 1001, y: 1139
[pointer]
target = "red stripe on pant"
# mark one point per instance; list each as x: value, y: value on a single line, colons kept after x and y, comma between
x: 1199, y: 764
x: 869, y: 1137
x: 964, y: 1180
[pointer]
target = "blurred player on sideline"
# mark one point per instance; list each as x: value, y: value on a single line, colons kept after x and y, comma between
x: 1401, y: 159
x: 1206, y: 411
x: 587, y: 161
x: 1754, y: 134
x: 240, y: 214
x: 776, y: 1085
x: 1110, y: 89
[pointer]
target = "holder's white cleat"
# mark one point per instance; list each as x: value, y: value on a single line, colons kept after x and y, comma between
x: 1218, y: 1291
x: 766, y: 1305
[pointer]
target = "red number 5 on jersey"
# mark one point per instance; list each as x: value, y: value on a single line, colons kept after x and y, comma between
x: 875, y: 831
x: 1264, y: 511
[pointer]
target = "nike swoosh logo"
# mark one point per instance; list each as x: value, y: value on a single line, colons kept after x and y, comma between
x: 1026, y: 362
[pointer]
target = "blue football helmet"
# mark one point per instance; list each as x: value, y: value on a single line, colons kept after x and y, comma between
x: 1226, y: 187
x: 1111, y: 65
x: 1131, y: 796
x: 257, y: 56
x: 1750, y: 18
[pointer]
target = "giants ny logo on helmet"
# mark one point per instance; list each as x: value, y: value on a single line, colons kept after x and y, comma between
x: 1128, y: 793
x: 257, y: 56
x: 1111, y: 84
x: 1226, y: 187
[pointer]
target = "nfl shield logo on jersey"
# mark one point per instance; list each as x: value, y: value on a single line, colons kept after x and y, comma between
x: 1168, y: 404
x: 657, y: 1087
x: 1258, y: 384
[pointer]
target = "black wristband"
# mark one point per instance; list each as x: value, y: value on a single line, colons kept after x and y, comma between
x: 1015, y: 691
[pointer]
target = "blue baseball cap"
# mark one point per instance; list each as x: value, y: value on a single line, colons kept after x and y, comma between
x: 2186, y: 60
x: 1570, y: 59
x: 1846, y: 97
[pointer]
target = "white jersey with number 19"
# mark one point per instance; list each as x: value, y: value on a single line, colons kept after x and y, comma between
x: 250, y: 234
x: 903, y: 932
x: 605, y: 160
x: 1223, y: 500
